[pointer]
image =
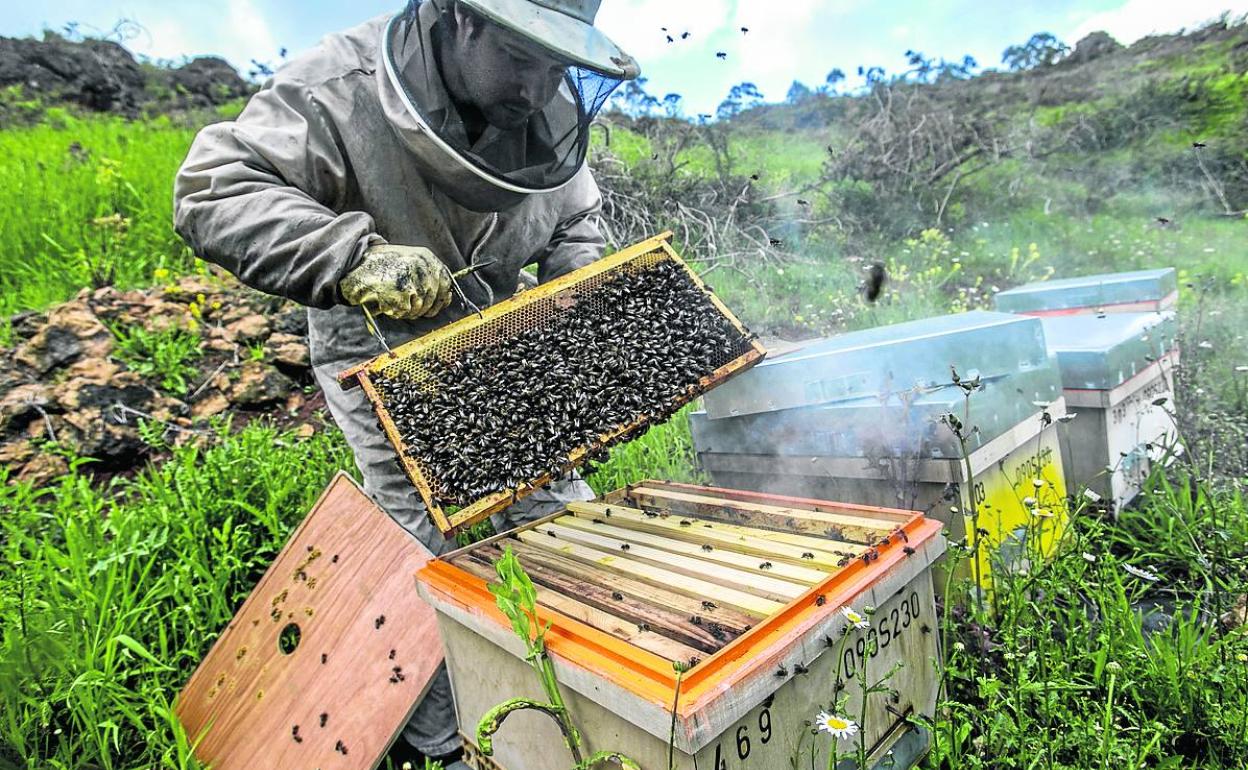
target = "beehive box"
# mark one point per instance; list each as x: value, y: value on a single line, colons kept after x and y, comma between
x: 1117, y: 375
x: 887, y: 359
x: 1130, y: 292
x: 490, y: 408
x: 875, y: 435
x: 745, y: 587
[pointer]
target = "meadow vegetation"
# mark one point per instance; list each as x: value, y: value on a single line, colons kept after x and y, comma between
x: 110, y: 593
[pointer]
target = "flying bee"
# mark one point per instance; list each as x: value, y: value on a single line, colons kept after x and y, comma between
x: 873, y: 284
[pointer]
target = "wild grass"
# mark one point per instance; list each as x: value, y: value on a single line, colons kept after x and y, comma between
x: 111, y: 596
x: 86, y: 202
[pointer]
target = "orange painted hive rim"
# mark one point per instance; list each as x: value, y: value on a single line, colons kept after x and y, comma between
x: 653, y: 677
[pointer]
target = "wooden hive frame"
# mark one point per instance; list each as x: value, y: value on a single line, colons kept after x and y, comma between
x: 639, y: 661
x: 365, y: 375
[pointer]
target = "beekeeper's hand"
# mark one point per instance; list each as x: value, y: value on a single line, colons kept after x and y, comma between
x: 403, y: 282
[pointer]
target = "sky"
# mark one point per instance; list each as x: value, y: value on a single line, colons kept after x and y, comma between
x: 787, y: 39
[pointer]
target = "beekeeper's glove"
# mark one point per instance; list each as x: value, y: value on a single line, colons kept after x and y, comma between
x: 404, y: 282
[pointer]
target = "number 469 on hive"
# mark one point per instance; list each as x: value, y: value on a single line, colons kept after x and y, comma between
x: 743, y: 741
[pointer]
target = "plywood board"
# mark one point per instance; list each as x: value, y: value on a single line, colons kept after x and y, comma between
x: 367, y: 648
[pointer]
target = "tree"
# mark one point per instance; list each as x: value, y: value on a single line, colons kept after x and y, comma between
x: 871, y: 76
x: 798, y: 93
x: 1041, y: 50
x: 672, y: 105
x: 633, y: 99
x: 834, y: 79
x: 741, y: 97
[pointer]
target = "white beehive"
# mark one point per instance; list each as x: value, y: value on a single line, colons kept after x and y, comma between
x: 747, y: 588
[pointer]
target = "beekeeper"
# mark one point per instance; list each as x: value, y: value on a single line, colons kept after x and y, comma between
x: 392, y: 155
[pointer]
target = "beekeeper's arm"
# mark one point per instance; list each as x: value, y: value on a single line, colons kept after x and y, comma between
x: 259, y: 196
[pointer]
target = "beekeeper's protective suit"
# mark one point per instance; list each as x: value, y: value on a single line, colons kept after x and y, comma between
x: 388, y: 157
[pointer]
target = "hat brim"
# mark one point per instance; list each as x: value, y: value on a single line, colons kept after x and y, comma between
x: 564, y: 36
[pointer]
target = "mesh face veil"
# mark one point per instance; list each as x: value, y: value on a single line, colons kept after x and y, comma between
x: 502, y: 166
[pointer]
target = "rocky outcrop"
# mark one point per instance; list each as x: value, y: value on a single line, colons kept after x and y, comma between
x: 1093, y: 47
x: 82, y: 378
x: 102, y: 76
x: 208, y: 81
x: 99, y: 75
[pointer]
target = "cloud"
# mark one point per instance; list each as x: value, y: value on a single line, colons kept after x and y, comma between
x: 238, y: 32
x: 1139, y: 18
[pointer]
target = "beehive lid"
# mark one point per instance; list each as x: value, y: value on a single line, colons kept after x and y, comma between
x: 488, y: 409
x: 899, y: 425
x: 1102, y: 352
x: 734, y: 583
x: 883, y: 360
x: 325, y: 660
x: 1158, y: 288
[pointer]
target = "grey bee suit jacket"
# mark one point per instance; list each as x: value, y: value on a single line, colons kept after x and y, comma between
x: 315, y: 169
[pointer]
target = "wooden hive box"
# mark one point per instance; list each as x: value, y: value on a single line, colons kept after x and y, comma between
x: 857, y: 417
x: 746, y: 587
x: 1118, y: 377
x: 1136, y: 291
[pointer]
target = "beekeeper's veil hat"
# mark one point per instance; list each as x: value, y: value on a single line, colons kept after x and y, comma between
x: 497, y: 170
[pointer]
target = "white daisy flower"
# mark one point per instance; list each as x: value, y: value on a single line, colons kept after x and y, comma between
x: 853, y: 617
x: 1142, y: 574
x: 836, y: 726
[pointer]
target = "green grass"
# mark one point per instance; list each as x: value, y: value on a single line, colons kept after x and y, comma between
x: 85, y: 202
x: 1067, y: 676
x: 110, y: 597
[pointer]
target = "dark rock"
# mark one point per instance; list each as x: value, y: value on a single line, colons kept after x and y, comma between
x: 1094, y: 46
x: 289, y: 351
x: 208, y: 81
x: 107, y: 396
x: 250, y: 328
x: 293, y: 321
x: 21, y: 405
x: 98, y: 74
x: 26, y: 324
x: 260, y: 384
x: 60, y: 347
